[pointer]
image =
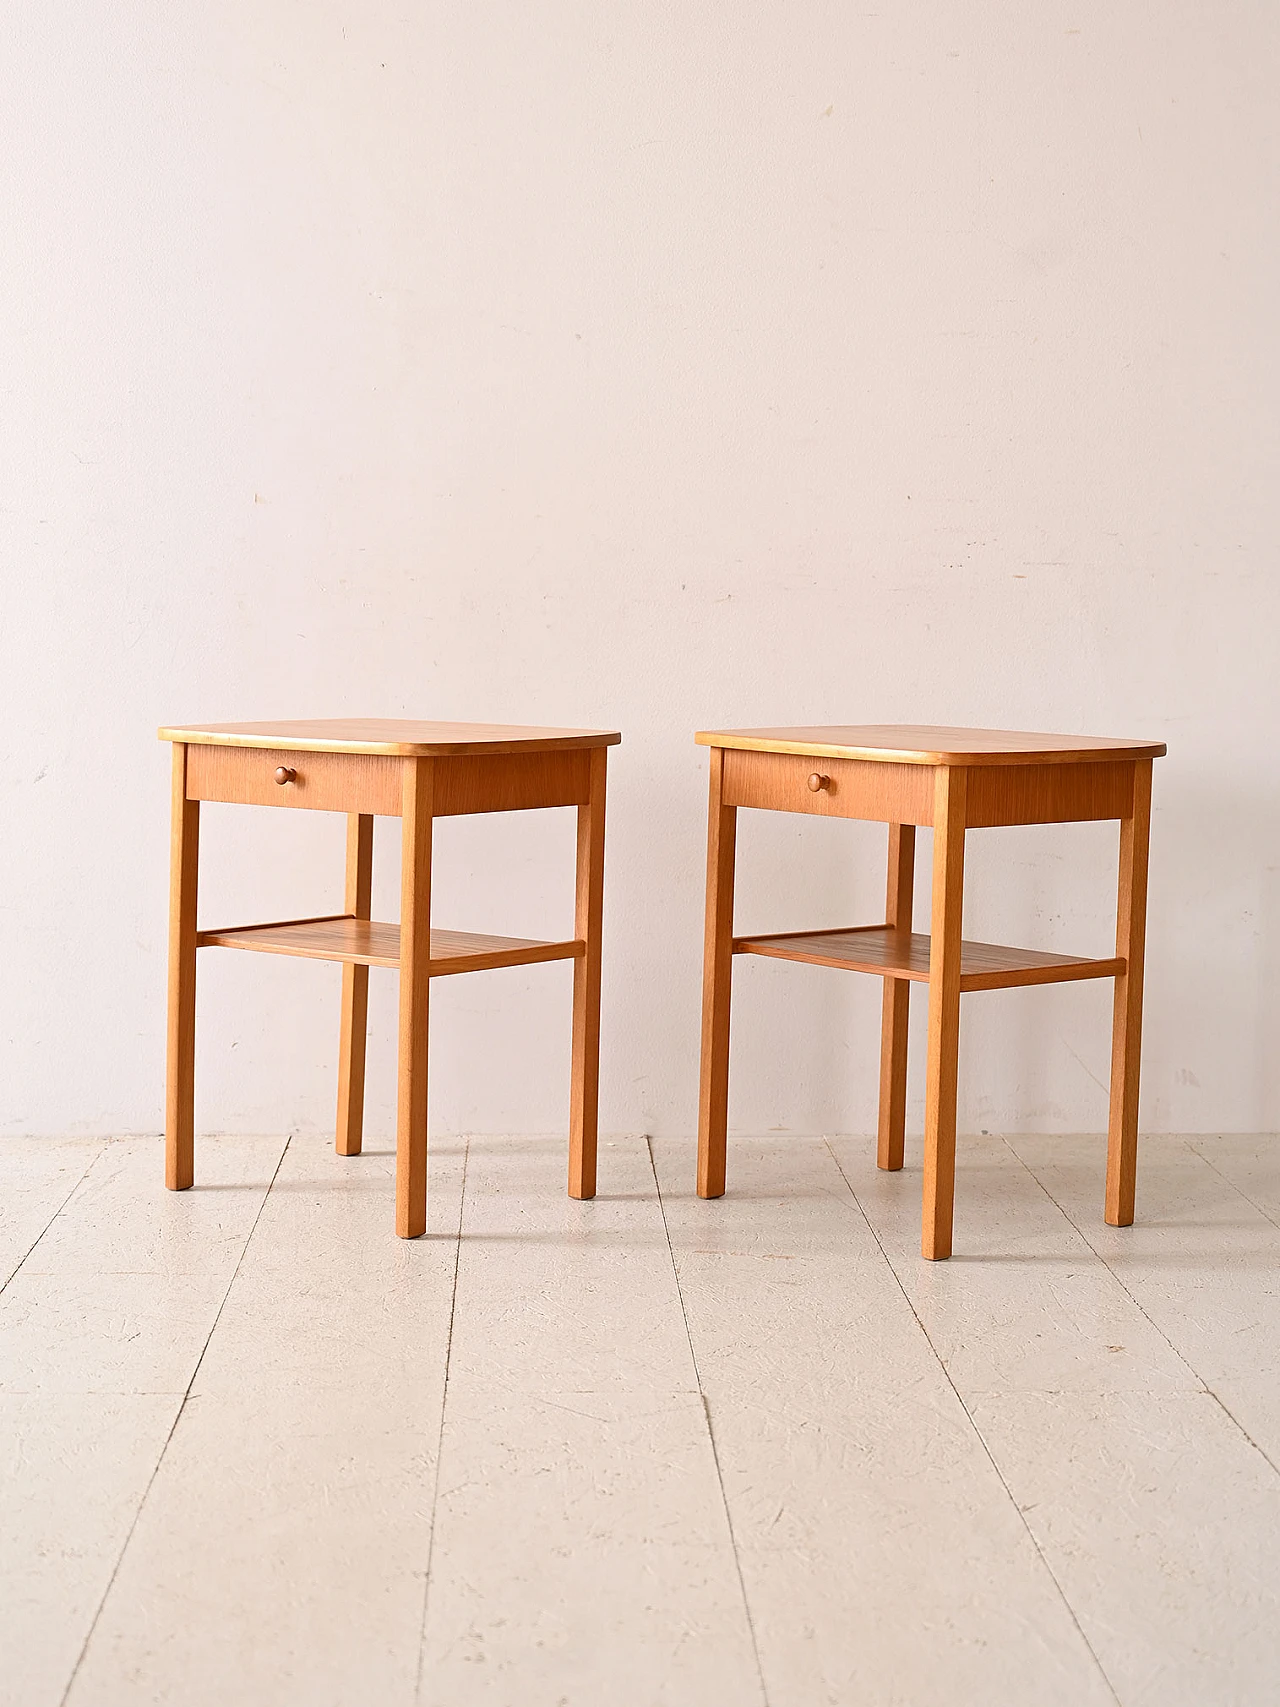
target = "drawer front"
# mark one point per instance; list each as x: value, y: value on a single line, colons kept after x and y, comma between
x: 325, y: 782
x: 854, y: 788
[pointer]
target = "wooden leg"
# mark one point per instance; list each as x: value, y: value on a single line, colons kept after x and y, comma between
x: 415, y: 986
x: 584, y: 1095
x: 717, y: 970
x: 944, y: 1011
x: 897, y: 993
x: 1126, y: 1027
x: 184, y: 859
x: 355, y: 991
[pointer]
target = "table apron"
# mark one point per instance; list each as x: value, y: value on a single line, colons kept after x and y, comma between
x: 903, y: 794
x: 511, y: 782
x: 1048, y: 794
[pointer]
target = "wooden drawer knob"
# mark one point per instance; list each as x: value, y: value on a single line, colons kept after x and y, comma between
x: 285, y: 774
x: 817, y: 783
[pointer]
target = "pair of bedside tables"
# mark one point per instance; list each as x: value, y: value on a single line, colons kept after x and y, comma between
x: 952, y: 780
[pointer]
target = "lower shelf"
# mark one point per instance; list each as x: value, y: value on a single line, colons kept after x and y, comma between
x: 905, y: 954
x: 366, y: 942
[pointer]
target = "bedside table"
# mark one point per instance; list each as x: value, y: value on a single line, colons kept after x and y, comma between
x: 954, y: 780
x: 416, y: 772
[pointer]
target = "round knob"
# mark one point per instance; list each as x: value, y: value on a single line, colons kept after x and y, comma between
x: 284, y: 774
x: 816, y: 783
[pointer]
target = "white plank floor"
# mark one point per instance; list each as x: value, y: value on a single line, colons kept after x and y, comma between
x: 645, y: 1450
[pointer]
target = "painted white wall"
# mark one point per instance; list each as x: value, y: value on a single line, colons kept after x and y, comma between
x: 653, y: 366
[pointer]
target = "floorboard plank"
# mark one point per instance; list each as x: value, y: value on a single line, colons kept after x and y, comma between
x: 582, y: 1554
x: 1202, y: 1259
x: 1161, y: 1523
x: 685, y: 1450
x: 883, y: 1558
x: 1023, y: 1305
x: 281, y: 1554
x: 73, y: 1469
x: 37, y: 1177
x: 101, y: 1330
x: 1085, y: 1377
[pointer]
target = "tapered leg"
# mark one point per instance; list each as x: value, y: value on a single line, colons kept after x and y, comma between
x: 717, y: 971
x: 184, y: 859
x: 415, y: 986
x: 1126, y: 1027
x: 897, y: 992
x: 584, y: 1094
x: 355, y: 991
x: 944, y: 1011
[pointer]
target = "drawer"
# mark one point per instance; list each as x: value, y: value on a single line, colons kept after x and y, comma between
x: 325, y: 782
x: 853, y: 788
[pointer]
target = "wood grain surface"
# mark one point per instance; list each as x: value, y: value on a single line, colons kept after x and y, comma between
x: 1126, y: 1030
x: 367, y: 942
x: 353, y: 1028
x: 584, y: 1078
x: 905, y: 954
x: 929, y: 744
x: 717, y: 980
x: 852, y: 788
x: 322, y: 782
x: 402, y: 737
x: 184, y: 861
x: 895, y: 1002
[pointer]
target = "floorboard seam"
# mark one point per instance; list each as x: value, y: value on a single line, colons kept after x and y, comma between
x: 444, y: 1404
x: 1239, y: 1190
x: 1079, y: 1230
x: 160, y: 1456
x: 1182, y: 1358
x: 711, y: 1434
x: 89, y: 1166
x: 981, y: 1438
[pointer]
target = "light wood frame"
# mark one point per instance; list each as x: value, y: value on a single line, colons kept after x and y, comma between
x: 418, y: 783
x: 756, y: 769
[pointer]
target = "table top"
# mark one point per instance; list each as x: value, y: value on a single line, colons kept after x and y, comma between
x: 928, y: 744
x: 402, y: 737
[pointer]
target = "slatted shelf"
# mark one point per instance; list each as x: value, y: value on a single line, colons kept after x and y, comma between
x: 367, y: 942
x: 905, y: 954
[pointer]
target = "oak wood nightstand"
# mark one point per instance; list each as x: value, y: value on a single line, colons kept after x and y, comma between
x: 416, y: 772
x: 954, y: 780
